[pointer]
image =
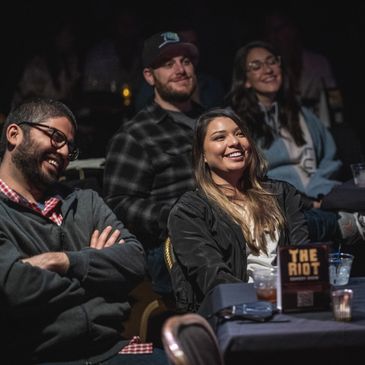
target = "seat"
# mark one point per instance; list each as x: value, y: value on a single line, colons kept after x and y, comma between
x: 168, y: 254
x: 85, y: 174
x: 153, y: 315
x: 162, y: 306
x: 188, y: 339
x: 148, y: 312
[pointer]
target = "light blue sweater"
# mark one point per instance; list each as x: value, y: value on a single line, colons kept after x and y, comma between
x: 282, y: 166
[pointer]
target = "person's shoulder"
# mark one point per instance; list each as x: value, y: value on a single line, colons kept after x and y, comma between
x: 147, y: 116
x: 69, y: 192
x: 277, y: 185
x: 190, y: 199
x: 190, y: 205
x: 188, y: 196
x: 136, y: 131
x: 184, y: 199
x: 144, y: 128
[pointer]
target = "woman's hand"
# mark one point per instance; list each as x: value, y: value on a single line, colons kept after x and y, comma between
x: 317, y: 204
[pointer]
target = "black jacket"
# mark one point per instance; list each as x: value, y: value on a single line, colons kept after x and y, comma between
x: 209, y: 247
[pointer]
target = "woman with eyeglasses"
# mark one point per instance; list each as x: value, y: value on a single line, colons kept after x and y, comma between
x: 298, y: 147
x: 236, y: 219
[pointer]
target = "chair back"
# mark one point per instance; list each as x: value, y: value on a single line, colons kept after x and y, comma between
x: 188, y: 339
x: 85, y: 174
x: 168, y: 254
x: 164, y: 305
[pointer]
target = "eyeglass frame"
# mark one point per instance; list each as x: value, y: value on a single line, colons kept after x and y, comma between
x: 264, y: 63
x: 74, y: 151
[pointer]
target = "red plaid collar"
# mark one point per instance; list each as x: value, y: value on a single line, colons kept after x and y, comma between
x: 51, y: 208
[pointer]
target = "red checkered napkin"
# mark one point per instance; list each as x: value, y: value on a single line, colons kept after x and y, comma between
x: 136, y: 346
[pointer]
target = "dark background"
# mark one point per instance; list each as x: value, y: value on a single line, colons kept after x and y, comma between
x: 334, y: 30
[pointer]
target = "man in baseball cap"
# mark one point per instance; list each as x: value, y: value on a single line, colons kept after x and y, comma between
x: 148, y: 164
x: 163, y: 46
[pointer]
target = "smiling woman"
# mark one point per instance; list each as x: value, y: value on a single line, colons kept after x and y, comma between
x: 233, y: 223
x: 227, y: 150
x: 298, y: 147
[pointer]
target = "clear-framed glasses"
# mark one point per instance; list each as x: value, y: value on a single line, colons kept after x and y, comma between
x: 58, y: 138
x: 257, y: 65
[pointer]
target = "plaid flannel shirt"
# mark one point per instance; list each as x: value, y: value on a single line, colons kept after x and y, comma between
x: 148, y: 166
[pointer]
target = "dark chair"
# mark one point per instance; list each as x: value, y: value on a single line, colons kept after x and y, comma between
x: 85, y: 174
x: 161, y: 307
x: 189, y: 340
x: 148, y: 312
x: 168, y: 254
x: 152, y: 317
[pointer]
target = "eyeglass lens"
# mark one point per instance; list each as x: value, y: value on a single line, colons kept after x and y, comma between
x: 257, y: 65
x: 58, y: 139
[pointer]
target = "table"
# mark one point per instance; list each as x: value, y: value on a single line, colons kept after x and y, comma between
x: 347, y: 197
x: 295, y: 338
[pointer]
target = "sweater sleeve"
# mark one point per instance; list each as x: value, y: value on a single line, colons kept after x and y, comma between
x: 328, y: 166
x: 113, y: 269
x: 27, y: 290
x: 293, y: 207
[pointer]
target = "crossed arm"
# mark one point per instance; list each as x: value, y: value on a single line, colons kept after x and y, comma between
x: 59, y: 261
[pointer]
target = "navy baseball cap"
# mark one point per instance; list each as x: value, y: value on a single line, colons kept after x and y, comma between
x: 162, y: 46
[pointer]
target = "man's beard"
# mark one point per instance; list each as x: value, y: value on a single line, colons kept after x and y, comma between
x: 27, y: 159
x: 173, y: 96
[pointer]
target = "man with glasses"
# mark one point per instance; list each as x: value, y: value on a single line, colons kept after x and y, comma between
x: 58, y: 139
x: 66, y: 262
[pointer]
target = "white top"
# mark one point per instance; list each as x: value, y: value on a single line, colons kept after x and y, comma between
x: 262, y: 260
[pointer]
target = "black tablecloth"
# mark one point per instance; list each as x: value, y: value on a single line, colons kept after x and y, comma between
x: 347, y: 196
x: 293, y: 338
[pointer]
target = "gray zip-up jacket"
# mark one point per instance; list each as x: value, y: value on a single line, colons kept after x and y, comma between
x: 46, y: 316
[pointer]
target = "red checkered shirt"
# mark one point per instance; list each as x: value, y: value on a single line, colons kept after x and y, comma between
x: 51, y: 208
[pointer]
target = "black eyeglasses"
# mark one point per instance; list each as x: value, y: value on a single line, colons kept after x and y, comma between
x: 58, y: 139
x: 257, y: 65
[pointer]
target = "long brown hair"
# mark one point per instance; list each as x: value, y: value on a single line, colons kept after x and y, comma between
x: 260, y: 206
x: 245, y: 103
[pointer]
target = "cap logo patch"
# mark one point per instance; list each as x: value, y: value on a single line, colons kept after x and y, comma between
x: 169, y: 37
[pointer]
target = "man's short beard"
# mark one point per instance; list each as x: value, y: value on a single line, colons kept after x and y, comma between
x: 26, y: 158
x: 172, y: 96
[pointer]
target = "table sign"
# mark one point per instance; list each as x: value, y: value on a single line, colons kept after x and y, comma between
x: 303, y: 283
